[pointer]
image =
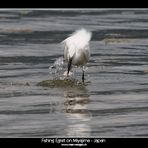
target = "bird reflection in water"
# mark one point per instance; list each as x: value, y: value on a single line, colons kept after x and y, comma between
x: 77, y: 114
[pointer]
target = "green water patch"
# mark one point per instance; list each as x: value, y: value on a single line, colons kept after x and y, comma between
x: 66, y: 83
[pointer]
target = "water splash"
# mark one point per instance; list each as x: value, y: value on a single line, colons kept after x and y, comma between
x: 58, y: 70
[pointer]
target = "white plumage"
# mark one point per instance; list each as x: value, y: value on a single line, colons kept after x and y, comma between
x: 77, y: 51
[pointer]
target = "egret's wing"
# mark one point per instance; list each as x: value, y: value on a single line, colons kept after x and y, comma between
x: 65, y: 50
x: 66, y: 53
x: 87, y: 53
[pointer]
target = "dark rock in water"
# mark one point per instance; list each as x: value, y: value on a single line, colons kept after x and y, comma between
x: 61, y: 83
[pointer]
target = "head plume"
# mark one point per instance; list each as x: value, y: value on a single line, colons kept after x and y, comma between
x: 79, y: 39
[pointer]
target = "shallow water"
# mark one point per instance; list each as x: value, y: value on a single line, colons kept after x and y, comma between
x: 113, y: 104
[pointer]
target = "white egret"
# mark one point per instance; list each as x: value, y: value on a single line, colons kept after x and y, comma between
x: 77, y: 51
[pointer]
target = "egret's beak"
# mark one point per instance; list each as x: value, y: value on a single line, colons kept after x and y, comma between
x: 69, y: 66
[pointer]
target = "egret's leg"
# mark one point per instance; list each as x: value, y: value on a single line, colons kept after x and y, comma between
x: 83, y: 74
x: 69, y: 66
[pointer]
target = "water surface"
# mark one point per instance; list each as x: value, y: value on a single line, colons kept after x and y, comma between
x: 113, y: 104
